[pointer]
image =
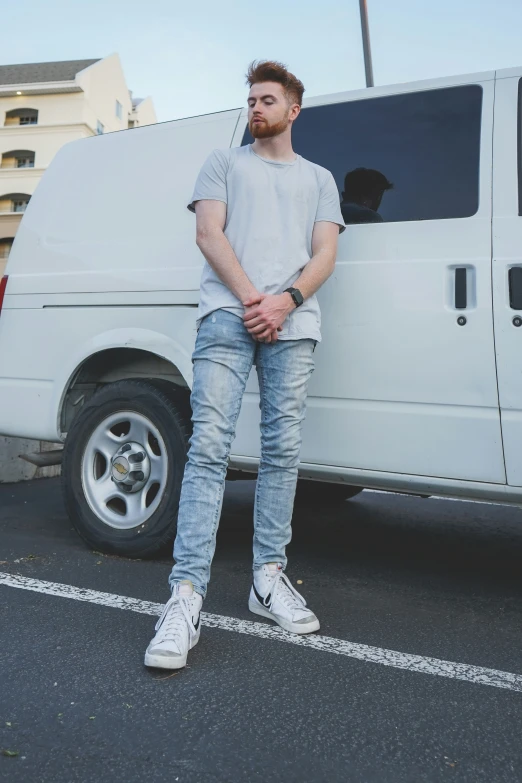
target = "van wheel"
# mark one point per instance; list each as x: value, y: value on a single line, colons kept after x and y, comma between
x: 321, y: 493
x: 123, y: 464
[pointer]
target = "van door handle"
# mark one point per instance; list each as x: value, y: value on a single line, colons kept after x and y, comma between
x: 461, y: 288
x: 515, y: 287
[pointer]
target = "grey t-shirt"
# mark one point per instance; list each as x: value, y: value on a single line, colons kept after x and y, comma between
x: 271, y: 211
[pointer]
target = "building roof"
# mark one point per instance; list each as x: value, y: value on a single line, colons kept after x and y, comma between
x: 32, y: 73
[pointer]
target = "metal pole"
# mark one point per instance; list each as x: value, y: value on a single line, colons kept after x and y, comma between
x: 366, y: 43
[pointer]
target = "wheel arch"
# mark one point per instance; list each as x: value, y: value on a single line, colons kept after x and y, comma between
x: 120, y: 355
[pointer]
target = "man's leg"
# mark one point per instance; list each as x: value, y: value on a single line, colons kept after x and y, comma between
x: 222, y: 359
x: 284, y: 369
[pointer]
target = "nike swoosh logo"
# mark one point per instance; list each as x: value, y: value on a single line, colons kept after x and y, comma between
x: 262, y: 601
x: 196, y: 625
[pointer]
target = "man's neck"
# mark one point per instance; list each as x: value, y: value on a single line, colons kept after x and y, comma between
x: 278, y: 148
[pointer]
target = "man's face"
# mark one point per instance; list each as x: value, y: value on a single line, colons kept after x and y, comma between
x: 269, y: 112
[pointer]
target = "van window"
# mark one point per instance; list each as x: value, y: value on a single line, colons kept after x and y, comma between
x: 413, y: 156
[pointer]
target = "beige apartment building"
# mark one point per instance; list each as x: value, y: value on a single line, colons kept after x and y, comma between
x: 44, y: 106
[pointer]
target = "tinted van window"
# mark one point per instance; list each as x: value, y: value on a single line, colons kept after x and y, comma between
x: 404, y: 157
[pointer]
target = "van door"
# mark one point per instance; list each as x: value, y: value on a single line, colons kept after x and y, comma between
x: 507, y: 263
x: 405, y: 378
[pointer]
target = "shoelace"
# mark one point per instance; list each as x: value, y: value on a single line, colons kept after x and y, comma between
x: 288, y: 592
x: 173, y: 621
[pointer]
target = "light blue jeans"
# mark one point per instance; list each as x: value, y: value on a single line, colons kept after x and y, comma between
x: 222, y: 360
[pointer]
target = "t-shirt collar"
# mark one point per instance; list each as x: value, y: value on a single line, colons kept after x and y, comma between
x: 274, y: 162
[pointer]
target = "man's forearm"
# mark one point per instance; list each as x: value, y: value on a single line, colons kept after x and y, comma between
x: 217, y: 250
x: 315, y: 273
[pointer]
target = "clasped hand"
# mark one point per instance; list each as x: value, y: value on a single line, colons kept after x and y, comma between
x: 265, y: 315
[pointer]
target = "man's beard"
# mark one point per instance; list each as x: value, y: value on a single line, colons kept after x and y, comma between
x: 262, y: 130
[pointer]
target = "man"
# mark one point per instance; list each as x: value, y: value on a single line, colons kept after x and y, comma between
x: 362, y: 195
x: 267, y: 224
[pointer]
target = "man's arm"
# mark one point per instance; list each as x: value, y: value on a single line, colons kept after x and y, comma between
x: 210, y: 222
x: 269, y: 315
x: 211, y: 240
x: 322, y: 264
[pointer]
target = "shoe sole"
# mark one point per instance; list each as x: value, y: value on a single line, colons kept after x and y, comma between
x: 169, y: 662
x: 286, y: 624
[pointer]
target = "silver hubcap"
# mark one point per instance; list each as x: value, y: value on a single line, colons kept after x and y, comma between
x: 124, y: 470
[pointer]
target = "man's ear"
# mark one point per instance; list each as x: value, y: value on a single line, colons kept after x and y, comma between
x: 296, y: 106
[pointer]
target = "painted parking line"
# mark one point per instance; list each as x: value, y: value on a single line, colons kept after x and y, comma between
x: 326, y: 644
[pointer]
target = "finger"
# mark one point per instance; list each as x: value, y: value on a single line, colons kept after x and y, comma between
x: 261, y: 328
x: 251, y: 314
x: 253, y: 300
x: 251, y: 322
x: 264, y: 335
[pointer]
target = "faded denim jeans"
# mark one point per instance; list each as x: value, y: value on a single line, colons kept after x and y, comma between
x: 222, y: 360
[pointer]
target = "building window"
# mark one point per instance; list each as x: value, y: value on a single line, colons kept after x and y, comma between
x: 17, y: 159
x: 25, y: 163
x: 407, y: 157
x: 5, y: 248
x: 119, y: 110
x: 20, y: 206
x: 21, y: 117
x: 99, y: 128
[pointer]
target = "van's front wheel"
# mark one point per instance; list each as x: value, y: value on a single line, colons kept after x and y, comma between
x: 123, y: 465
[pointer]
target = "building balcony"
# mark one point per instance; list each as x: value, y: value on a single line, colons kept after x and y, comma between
x: 12, y: 211
x: 9, y: 224
x: 81, y: 129
x: 6, y: 172
x: 13, y: 203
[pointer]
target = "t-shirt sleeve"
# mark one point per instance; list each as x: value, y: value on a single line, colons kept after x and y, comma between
x: 329, y: 208
x: 211, y: 182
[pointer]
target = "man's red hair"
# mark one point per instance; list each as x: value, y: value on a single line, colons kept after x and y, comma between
x: 272, y: 71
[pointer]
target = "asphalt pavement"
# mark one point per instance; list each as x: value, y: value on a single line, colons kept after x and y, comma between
x: 425, y: 578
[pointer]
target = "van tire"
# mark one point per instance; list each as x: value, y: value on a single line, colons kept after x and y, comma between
x: 167, y: 408
x: 320, y: 493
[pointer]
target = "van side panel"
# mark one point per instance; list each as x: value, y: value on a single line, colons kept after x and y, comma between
x: 105, y: 257
x: 400, y: 385
x: 507, y: 264
x: 111, y: 212
x: 33, y: 382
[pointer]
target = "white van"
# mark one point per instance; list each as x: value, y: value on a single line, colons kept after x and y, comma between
x: 418, y: 380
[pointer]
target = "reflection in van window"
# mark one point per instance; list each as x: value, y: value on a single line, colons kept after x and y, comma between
x: 425, y: 147
x: 362, y: 195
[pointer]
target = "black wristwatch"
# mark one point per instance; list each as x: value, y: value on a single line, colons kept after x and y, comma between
x: 296, y: 295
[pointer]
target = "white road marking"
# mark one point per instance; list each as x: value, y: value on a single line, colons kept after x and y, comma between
x: 362, y: 652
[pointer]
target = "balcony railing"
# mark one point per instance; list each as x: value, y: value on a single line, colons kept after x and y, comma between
x: 18, y: 164
x: 14, y: 208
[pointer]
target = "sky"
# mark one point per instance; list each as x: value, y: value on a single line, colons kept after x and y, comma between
x: 191, y: 57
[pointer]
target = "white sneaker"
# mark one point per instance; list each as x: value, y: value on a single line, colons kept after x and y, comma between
x: 273, y: 596
x: 178, y: 628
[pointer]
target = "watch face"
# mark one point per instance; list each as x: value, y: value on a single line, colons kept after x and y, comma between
x: 297, y: 296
